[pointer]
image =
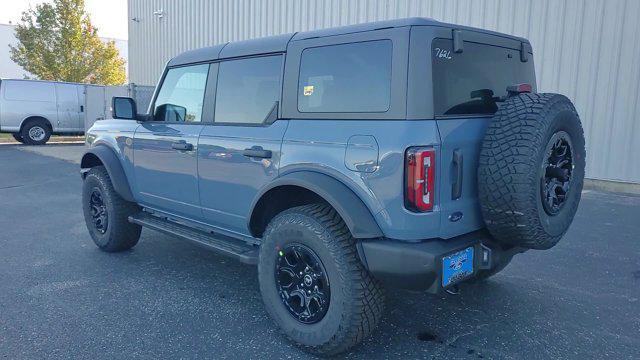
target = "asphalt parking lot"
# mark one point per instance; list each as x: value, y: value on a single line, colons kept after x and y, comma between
x: 60, y: 297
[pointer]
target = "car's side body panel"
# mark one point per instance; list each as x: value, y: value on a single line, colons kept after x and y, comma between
x: 117, y: 137
x: 167, y: 178
x: 228, y: 179
x: 321, y: 145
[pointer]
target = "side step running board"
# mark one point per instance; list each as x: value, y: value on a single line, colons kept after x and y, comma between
x: 222, y: 244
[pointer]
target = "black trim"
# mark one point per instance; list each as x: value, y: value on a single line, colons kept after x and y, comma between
x: 349, y: 206
x: 418, y: 266
x: 114, y: 169
x: 132, y: 103
x: 458, y: 43
x: 220, y: 243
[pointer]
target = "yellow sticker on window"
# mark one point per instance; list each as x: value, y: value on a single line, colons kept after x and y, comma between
x: 308, y: 90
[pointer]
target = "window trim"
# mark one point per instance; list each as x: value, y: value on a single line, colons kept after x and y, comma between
x: 152, y: 105
x: 345, y: 112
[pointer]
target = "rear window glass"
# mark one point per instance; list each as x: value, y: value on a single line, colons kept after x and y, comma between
x: 470, y: 82
x: 352, y: 77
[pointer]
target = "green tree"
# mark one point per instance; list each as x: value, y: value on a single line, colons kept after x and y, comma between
x: 57, y: 42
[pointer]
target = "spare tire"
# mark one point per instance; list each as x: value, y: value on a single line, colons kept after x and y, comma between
x: 531, y: 170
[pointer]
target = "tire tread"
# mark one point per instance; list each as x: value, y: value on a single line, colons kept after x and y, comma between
x: 124, y: 235
x: 365, y: 311
x: 508, y: 183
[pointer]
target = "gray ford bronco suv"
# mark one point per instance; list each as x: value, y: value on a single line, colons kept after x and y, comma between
x: 411, y: 153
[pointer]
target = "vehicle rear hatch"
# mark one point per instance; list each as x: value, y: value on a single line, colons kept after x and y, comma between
x: 468, y: 84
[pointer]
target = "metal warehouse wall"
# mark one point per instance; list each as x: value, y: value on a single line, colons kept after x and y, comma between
x: 588, y: 50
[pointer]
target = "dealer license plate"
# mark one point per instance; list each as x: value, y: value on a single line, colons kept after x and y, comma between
x: 457, y: 266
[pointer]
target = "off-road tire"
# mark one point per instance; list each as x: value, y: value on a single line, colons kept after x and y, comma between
x: 120, y: 234
x: 357, y: 302
x: 511, y: 168
x: 36, y: 124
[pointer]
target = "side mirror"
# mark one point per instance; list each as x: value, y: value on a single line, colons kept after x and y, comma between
x: 124, y: 108
x: 171, y: 113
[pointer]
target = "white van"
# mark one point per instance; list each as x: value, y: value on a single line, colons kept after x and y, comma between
x: 34, y: 110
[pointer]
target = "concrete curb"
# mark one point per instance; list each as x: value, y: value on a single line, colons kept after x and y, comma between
x: 612, y: 186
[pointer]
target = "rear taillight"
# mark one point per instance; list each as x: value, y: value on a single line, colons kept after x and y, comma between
x: 420, y: 167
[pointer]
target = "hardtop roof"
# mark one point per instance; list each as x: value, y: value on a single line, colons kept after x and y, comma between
x: 278, y: 43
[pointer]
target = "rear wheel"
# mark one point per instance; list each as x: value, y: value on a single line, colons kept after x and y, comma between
x: 18, y: 137
x: 35, y: 132
x: 106, y: 214
x: 312, y: 282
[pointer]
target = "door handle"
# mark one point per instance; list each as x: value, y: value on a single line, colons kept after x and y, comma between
x: 257, y: 152
x: 182, y: 146
x: 456, y: 189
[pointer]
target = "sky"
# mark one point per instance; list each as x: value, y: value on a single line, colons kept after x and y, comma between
x: 109, y: 16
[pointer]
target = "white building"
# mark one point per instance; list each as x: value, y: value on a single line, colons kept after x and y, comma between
x: 11, y: 70
x: 588, y: 50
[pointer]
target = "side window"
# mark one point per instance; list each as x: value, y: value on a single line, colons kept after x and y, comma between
x: 352, y: 77
x: 247, y: 89
x: 182, y: 94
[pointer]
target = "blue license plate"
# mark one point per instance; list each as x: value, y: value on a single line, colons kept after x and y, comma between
x: 457, y: 266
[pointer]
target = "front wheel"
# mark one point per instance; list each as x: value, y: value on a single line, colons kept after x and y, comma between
x: 106, y: 214
x: 312, y: 282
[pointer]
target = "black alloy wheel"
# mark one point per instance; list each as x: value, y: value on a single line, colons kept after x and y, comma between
x: 558, y: 165
x: 98, y: 209
x: 302, y: 283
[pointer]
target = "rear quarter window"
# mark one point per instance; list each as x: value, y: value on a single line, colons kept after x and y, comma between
x: 346, y: 78
x: 470, y: 82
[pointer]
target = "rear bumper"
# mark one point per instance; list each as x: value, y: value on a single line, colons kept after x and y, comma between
x: 418, y: 266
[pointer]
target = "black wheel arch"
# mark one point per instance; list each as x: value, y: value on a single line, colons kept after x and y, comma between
x: 304, y: 187
x: 102, y: 155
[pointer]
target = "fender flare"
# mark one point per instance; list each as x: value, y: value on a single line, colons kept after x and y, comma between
x: 111, y: 162
x: 349, y: 206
